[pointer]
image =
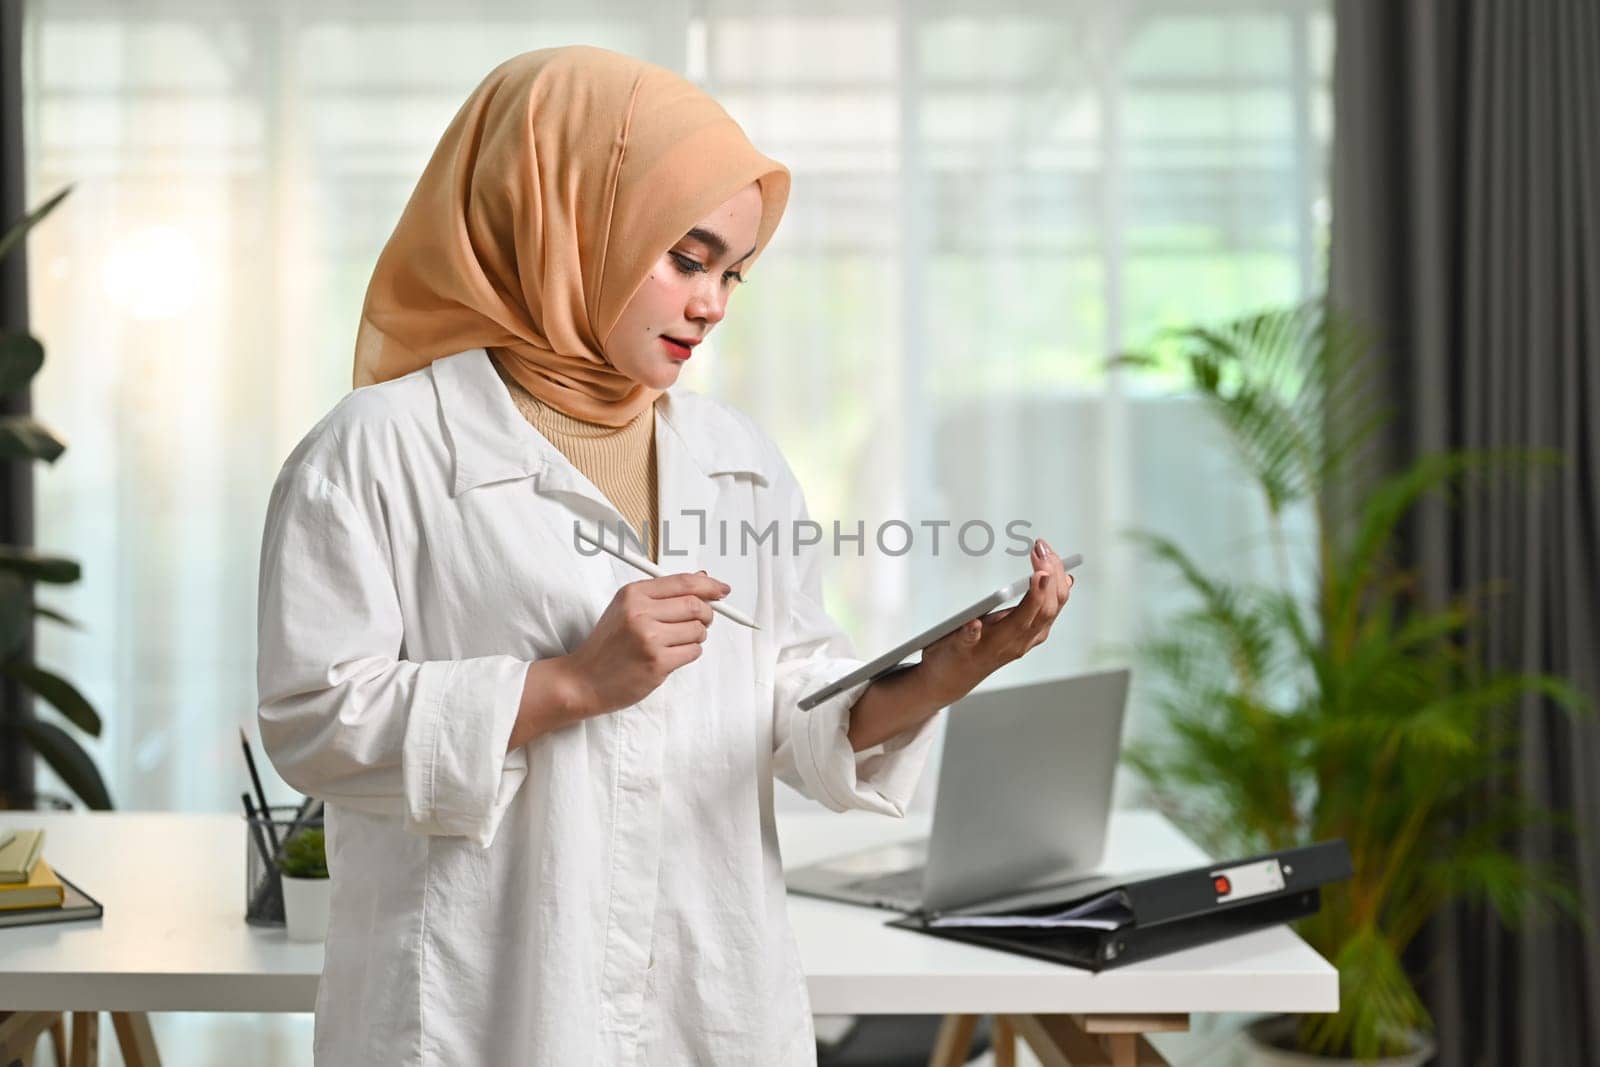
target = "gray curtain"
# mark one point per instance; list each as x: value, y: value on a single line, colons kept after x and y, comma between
x: 16, y: 476
x: 1466, y: 234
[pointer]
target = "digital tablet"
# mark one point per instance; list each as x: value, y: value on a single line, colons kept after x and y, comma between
x: 896, y: 655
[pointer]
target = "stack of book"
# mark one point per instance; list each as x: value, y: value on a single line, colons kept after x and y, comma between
x: 30, y: 890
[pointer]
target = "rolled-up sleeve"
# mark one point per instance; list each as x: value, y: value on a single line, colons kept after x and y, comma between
x: 342, y: 717
x: 812, y: 749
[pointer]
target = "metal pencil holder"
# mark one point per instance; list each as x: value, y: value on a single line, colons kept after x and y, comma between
x: 263, y: 887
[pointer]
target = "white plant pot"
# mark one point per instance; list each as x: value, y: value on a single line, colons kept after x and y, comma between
x: 1261, y: 1040
x: 305, y: 907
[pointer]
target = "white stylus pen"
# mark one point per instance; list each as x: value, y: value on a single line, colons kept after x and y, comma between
x: 655, y: 572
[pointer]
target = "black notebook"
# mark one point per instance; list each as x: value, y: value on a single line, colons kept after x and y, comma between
x: 1152, y: 916
x: 76, y: 905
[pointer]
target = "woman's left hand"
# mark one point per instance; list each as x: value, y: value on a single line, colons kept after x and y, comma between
x: 956, y: 663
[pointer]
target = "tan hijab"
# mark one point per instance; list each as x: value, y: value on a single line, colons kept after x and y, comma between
x: 553, y: 192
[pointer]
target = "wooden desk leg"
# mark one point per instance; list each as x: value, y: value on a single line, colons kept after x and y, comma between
x: 85, y: 1039
x: 1124, y: 1038
x: 1057, y: 1041
x: 58, y: 1039
x: 1095, y: 1040
x: 1130, y: 1050
x: 20, y: 1032
x: 1004, y: 1040
x: 955, y: 1034
x: 134, y: 1038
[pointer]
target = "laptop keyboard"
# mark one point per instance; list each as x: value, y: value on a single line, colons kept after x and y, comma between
x: 896, y: 885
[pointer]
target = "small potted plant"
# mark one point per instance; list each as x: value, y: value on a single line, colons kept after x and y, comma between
x: 303, y: 863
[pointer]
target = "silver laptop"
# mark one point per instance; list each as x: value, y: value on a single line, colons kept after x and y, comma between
x: 1023, y: 800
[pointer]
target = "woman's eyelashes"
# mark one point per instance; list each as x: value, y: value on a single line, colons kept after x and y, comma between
x: 686, y: 265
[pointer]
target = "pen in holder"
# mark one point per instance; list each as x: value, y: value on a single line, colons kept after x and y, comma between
x: 263, y: 886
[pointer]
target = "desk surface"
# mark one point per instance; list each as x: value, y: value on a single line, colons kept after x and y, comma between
x: 182, y: 944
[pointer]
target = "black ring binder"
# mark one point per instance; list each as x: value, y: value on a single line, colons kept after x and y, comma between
x: 1169, y: 912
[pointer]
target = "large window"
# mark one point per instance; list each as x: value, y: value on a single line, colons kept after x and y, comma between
x: 989, y: 199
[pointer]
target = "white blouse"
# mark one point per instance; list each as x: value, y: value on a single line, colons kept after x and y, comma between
x: 610, y: 893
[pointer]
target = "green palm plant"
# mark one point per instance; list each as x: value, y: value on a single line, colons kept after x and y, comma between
x: 23, y: 437
x: 1356, y: 711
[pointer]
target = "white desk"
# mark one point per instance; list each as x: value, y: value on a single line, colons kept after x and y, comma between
x: 856, y: 965
x: 174, y: 938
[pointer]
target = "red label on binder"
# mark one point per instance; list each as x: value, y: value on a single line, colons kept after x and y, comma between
x: 1247, y: 880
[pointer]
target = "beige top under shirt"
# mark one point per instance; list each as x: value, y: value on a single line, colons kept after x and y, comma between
x: 620, y: 460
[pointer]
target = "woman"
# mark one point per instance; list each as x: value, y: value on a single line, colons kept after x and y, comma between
x: 549, y: 781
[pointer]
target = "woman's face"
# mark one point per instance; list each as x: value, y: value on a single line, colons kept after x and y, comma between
x: 686, y: 293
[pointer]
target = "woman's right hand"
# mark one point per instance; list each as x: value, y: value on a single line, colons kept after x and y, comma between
x: 650, y: 629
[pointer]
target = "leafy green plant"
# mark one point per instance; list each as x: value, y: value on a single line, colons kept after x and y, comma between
x: 1356, y: 711
x: 304, y: 855
x: 23, y: 437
